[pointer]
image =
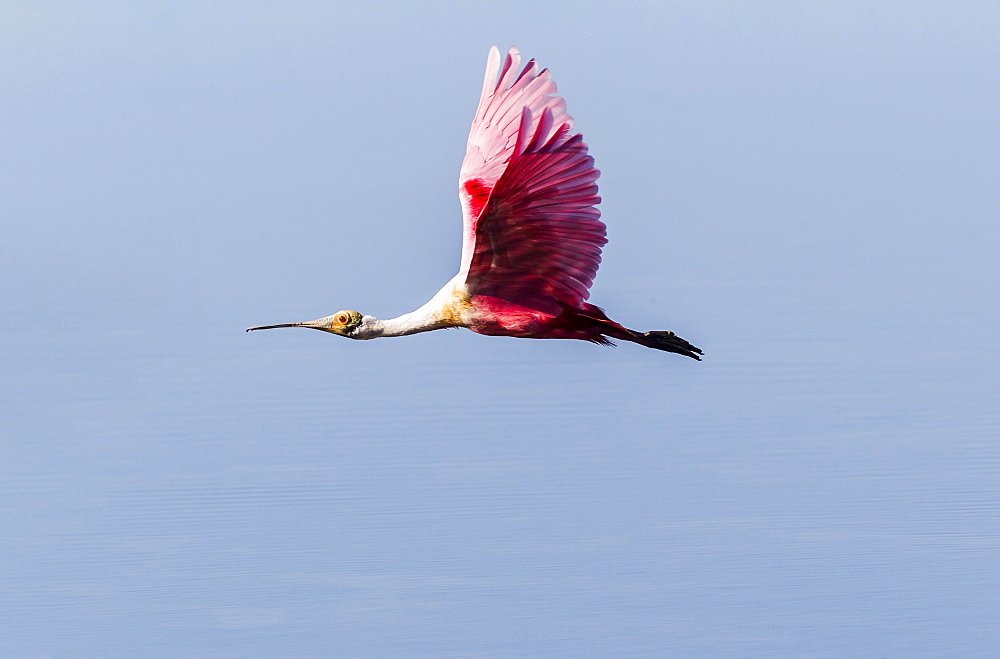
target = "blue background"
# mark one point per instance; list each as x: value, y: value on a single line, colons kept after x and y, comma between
x: 806, y: 191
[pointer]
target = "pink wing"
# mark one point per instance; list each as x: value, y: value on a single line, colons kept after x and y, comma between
x: 533, y: 235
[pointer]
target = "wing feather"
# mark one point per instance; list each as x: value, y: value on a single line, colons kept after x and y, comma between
x: 533, y: 235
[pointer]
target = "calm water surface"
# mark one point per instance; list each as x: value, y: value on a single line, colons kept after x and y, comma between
x: 172, y: 485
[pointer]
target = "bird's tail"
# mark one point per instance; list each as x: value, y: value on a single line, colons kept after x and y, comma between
x: 658, y: 340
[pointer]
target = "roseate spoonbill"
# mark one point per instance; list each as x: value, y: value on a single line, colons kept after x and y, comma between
x: 532, y: 235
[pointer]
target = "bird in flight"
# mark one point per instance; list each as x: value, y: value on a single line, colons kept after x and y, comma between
x: 532, y: 234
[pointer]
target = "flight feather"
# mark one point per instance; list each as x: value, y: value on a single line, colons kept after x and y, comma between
x: 528, y: 187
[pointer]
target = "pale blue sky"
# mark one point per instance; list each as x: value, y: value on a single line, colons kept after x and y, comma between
x: 172, y: 138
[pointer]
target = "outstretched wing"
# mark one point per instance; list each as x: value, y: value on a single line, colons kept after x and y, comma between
x: 532, y: 233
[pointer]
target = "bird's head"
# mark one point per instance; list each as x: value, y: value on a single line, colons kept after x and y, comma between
x: 345, y: 323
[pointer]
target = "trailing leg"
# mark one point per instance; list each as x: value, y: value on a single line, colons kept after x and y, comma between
x: 668, y: 341
x: 658, y: 340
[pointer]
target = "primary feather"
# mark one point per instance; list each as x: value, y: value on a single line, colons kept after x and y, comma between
x: 533, y: 234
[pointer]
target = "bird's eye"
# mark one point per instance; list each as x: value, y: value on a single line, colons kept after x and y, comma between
x: 342, y: 319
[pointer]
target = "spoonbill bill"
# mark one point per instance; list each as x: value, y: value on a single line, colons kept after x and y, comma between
x: 532, y: 235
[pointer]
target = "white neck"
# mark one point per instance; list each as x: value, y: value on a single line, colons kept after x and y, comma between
x: 408, y: 323
x: 437, y: 313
